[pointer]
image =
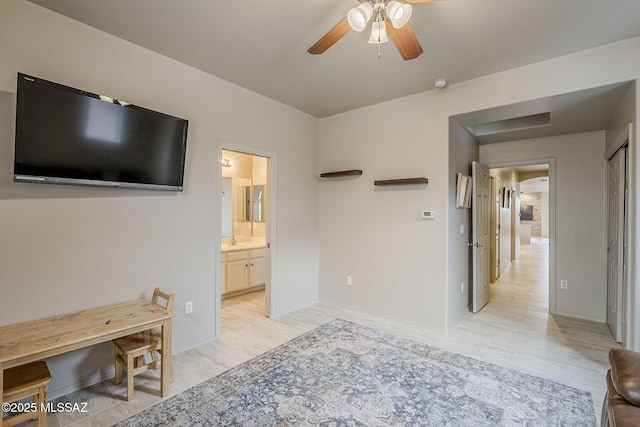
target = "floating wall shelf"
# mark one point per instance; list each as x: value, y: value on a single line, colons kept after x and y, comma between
x: 405, y: 181
x: 352, y: 172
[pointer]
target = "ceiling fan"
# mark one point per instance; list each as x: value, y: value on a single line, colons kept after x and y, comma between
x: 390, y: 19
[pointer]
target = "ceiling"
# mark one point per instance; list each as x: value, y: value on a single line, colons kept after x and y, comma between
x: 575, y: 112
x: 261, y: 45
x: 539, y: 183
x: 535, y: 185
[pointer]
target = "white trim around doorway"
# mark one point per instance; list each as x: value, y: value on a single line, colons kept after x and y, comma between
x: 271, y: 285
x: 552, y: 217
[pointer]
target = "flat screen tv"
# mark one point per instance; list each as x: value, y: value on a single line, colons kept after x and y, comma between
x: 70, y: 136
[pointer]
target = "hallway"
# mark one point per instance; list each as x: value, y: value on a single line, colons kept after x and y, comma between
x: 523, y: 289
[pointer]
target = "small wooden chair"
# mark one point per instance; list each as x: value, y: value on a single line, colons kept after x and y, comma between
x: 130, y: 350
x: 24, y: 381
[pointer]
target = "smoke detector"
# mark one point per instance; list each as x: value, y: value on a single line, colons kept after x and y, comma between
x: 440, y: 83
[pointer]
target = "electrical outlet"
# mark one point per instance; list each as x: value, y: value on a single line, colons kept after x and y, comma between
x: 188, y: 307
x: 349, y: 282
x: 461, y: 286
x: 462, y: 229
x: 564, y: 284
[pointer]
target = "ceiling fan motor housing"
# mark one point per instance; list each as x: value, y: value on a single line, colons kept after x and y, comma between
x: 390, y: 17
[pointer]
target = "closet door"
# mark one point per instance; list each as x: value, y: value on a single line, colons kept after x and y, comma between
x: 616, y: 173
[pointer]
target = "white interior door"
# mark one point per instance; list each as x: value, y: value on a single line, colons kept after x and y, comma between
x: 480, y: 222
x: 496, y: 229
x: 615, y: 238
x: 494, y: 242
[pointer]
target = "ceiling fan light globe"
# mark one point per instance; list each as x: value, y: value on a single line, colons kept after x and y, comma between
x: 359, y: 16
x: 378, y: 33
x: 398, y: 13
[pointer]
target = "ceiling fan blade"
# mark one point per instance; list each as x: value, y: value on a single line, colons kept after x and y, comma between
x: 405, y: 41
x: 421, y: 1
x: 328, y: 40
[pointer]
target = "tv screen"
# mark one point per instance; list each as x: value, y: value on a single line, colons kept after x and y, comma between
x: 70, y: 136
x: 526, y: 212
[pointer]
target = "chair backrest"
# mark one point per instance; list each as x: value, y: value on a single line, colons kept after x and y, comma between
x: 159, y: 297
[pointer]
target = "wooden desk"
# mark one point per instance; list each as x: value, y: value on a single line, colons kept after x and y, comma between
x: 38, y: 339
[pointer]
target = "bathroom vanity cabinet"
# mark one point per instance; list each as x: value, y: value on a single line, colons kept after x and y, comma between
x: 244, y: 270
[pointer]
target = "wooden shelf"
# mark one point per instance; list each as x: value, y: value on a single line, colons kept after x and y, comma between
x: 404, y: 181
x: 352, y: 172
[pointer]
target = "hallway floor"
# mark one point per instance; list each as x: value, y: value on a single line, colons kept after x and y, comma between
x: 515, y: 329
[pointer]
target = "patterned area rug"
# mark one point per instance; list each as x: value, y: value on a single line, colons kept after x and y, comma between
x: 344, y: 374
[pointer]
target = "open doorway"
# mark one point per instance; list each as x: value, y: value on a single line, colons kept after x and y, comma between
x: 244, y: 282
x: 521, y: 220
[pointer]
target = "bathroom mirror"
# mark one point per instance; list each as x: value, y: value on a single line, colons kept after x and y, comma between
x: 244, y: 203
x: 258, y: 203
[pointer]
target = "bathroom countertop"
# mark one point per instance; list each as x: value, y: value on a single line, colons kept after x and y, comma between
x: 242, y: 246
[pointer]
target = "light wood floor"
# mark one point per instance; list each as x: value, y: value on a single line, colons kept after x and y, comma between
x: 513, y: 330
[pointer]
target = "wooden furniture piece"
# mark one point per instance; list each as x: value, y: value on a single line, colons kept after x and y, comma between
x: 22, y: 343
x: 24, y: 381
x: 130, y: 350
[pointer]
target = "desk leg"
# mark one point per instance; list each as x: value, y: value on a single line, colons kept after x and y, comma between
x: 1, y: 388
x: 165, y: 366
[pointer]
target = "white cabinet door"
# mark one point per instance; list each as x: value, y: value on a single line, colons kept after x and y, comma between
x: 244, y: 269
x: 258, y: 271
x: 237, y: 270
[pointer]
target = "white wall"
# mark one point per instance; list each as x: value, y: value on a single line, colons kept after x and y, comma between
x: 509, y: 232
x: 463, y: 150
x: 402, y: 263
x: 621, y: 118
x: 545, y: 214
x: 69, y: 248
x: 580, y: 221
x: 375, y: 234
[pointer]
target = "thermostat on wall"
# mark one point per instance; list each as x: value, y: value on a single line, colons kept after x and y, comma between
x: 428, y: 214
